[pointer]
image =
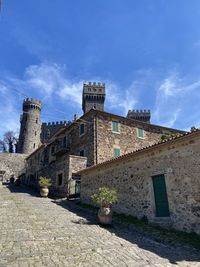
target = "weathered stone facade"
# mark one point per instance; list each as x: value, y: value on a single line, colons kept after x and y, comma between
x: 131, y: 175
x: 60, y: 171
x: 127, y: 138
x: 93, y: 96
x: 93, y: 138
x: 98, y: 140
x: 11, y: 164
x: 29, y: 137
x: 50, y: 128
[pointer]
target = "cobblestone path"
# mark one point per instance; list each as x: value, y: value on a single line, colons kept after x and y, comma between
x: 39, y: 232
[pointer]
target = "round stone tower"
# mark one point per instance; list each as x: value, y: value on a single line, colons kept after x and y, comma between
x: 30, y: 130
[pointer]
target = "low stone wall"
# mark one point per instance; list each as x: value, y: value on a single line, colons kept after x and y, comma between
x: 11, y: 164
x: 131, y: 177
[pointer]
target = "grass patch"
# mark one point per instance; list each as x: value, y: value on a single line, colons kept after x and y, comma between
x: 160, y: 234
x: 88, y: 206
x: 156, y: 232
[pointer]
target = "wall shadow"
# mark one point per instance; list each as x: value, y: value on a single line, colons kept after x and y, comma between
x: 22, y: 189
x: 173, y: 252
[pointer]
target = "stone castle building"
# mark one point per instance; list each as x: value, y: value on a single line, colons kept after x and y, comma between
x: 156, y: 179
x: 93, y: 138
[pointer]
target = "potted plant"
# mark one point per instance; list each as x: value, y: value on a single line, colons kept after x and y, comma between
x: 105, y: 198
x: 44, y: 184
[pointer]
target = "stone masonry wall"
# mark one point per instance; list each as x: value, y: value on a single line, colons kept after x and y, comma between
x: 12, y: 164
x: 179, y: 161
x: 65, y: 165
x: 126, y: 140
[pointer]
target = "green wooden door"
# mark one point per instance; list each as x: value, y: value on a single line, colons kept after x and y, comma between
x: 160, y: 194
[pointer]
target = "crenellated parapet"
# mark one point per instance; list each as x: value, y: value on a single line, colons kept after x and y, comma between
x: 31, y: 103
x: 60, y: 123
x: 96, y: 84
x: 50, y: 128
x: 93, y: 96
x: 141, y: 115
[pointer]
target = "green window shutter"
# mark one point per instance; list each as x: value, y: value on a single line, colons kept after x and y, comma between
x: 116, y: 152
x: 115, y: 126
x: 140, y: 133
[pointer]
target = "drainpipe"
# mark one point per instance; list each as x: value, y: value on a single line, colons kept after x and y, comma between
x: 95, y: 139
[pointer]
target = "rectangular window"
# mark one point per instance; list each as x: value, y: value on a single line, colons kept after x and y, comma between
x: 115, y: 126
x: 60, y: 179
x: 140, y: 133
x: 52, y: 149
x: 82, y: 153
x: 65, y: 142
x: 81, y: 128
x: 116, y: 152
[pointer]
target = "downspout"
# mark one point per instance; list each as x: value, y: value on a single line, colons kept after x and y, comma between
x: 95, y: 140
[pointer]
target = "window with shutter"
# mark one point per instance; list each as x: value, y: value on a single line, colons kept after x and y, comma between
x: 116, y: 152
x: 140, y: 133
x: 115, y: 126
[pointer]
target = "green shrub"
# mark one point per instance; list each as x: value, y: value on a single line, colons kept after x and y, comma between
x: 44, y: 181
x: 105, y: 196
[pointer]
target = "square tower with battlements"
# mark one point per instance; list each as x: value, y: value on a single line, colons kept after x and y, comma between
x: 93, y: 96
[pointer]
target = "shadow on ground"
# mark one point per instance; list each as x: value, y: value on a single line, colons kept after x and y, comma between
x: 173, y: 252
x: 22, y: 189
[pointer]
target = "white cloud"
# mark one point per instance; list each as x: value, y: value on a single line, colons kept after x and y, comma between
x: 49, y: 82
x: 177, y: 102
x: 117, y: 98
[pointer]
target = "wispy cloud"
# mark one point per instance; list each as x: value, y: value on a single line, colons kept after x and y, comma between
x: 177, y: 100
x: 50, y: 83
x: 120, y: 99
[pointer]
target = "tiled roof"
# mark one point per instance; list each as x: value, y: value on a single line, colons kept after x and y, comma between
x: 150, y: 147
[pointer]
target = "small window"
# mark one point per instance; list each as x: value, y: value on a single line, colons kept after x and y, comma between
x: 115, y: 126
x: 82, y: 128
x: 34, y: 145
x: 52, y: 149
x: 140, y: 133
x: 48, y: 133
x: 36, y: 121
x: 116, y: 152
x: 82, y: 153
x: 64, y: 141
x: 35, y: 133
x: 60, y: 179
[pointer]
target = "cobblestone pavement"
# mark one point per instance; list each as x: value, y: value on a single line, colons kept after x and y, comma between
x: 38, y: 232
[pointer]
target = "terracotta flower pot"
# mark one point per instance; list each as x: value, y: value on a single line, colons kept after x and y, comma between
x: 105, y: 215
x: 44, y: 191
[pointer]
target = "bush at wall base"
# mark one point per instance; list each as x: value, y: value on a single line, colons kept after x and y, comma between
x: 44, y: 184
x: 105, y: 198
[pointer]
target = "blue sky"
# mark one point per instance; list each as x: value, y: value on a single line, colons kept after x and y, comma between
x: 147, y: 52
